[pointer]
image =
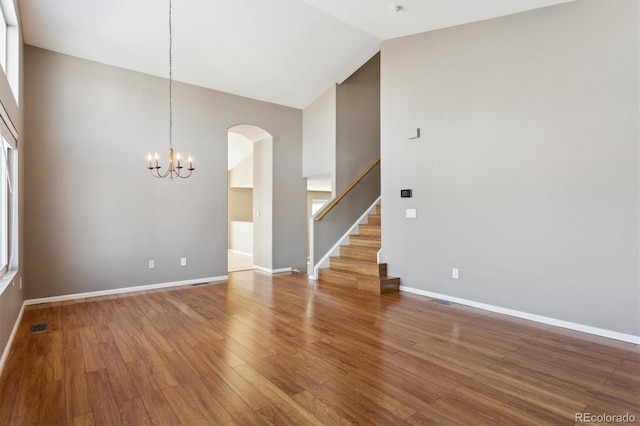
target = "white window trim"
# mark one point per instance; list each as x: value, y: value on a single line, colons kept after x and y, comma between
x: 6, y: 277
x: 12, y: 41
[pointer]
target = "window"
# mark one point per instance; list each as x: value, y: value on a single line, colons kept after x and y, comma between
x: 10, y: 45
x: 9, y: 63
x: 7, y: 205
x: 3, y: 40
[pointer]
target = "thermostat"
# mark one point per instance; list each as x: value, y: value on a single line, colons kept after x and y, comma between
x: 405, y: 193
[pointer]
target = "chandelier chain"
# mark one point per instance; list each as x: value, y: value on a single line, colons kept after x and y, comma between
x: 175, y: 168
x: 170, y: 79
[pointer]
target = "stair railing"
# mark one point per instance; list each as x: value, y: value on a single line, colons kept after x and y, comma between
x: 326, y: 236
x: 344, y: 193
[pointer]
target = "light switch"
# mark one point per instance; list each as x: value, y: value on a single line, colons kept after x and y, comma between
x: 411, y: 213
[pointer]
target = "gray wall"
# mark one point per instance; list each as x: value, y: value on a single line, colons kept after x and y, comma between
x: 357, y: 123
x: 337, y: 222
x: 94, y: 216
x: 357, y: 147
x: 11, y: 299
x: 526, y: 176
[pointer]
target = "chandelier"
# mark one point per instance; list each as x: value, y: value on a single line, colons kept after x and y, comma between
x: 175, y: 165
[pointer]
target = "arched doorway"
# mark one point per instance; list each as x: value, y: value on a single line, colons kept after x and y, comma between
x: 250, y: 198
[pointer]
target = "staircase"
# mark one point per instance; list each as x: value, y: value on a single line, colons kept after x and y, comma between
x: 357, y: 266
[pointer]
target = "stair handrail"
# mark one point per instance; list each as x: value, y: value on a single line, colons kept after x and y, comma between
x: 336, y: 200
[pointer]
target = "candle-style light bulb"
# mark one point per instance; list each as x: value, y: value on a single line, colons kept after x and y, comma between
x: 157, y: 157
x: 149, y: 158
x: 178, y: 157
x: 190, y: 162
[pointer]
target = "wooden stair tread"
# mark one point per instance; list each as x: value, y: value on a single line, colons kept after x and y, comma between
x: 359, y: 248
x: 353, y: 260
x: 365, y: 236
x: 369, y: 230
x: 341, y: 274
x: 333, y: 271
x: 377, y: 285
x: 357, y: 266
x: 365, y: 240
x: 360, y: 252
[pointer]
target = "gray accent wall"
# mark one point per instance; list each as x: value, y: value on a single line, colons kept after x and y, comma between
x: 328, y: 231
x: 357, y: 123
x: 94, y: 216
x: 526, y: 176
x: 357, y: 146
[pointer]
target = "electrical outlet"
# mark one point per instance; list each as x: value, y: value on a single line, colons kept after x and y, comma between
x: 455, y: 274
x: 152, y: 264
x: 183, y: 261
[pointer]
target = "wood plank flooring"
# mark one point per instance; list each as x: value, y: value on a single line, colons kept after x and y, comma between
x: 263, y: 349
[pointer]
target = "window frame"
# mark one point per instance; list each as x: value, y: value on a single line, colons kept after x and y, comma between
x: 10, y: 49
x: 10, y: 52
x: 4, y: 36
x: 5, y: 209
x: 9, y: 207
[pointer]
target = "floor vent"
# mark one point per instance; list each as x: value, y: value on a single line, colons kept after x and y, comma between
x: 442, y: 302
x: 39, y: 328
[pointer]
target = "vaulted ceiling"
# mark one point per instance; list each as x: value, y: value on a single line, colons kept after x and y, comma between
x: 282, y: 51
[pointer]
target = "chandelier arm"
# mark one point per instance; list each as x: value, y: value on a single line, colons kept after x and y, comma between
x: 158, y: 175
x: 184, y: 177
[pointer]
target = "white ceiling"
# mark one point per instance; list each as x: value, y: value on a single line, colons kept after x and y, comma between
x: 282, y: 51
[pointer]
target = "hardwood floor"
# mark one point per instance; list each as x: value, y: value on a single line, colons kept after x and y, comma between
x: 276, y: 350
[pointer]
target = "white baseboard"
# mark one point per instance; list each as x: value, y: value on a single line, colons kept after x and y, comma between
x: 123, y: 290
x: 272, y: 271
x: 243, y: 253
x: 528, y: 316
x: 7, y: 348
